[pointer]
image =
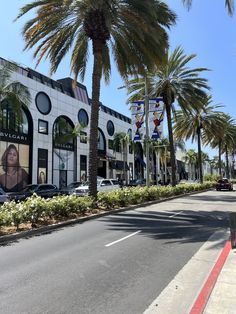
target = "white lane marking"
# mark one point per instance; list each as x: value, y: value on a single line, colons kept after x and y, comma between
x: 128, y: 236
x: 175, y: 214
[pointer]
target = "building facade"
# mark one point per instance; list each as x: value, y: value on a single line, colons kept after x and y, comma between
x: 46, y: 150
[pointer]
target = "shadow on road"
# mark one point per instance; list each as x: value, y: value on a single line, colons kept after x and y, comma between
x: 178, y: 226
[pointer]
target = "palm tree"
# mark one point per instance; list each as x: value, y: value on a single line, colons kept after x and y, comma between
x: 228, y: 3
x: 193, y: 123
x: 213, y: 164
x: 191, y: 158
x: 12, y: 92
x: 173, y: 80
x: 161, y: 147
x: 223, y: 138
x: 123, y: 139
x: 134, y: 31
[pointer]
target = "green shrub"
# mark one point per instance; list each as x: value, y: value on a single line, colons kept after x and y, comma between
x: 35, y: 207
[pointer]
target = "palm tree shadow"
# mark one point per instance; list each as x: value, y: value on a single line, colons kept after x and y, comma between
x: 180, y: 226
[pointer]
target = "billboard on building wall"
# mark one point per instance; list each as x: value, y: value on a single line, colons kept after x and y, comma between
x: 14, y: 166
x: 156, y: 117
x: 137, y: 118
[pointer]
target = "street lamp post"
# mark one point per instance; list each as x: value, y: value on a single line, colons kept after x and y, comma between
x: 147, y: 134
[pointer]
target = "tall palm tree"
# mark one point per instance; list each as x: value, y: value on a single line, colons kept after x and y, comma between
x: 161, y: 147
x: 193, y: 123
x: 173, y: 80
x: 191, y: 158
x: 228, y: 3
x: 213, y: 164
x: 123, y: 139
x: 223, y: 138
x: 134, y: 31
x: 12, y: 92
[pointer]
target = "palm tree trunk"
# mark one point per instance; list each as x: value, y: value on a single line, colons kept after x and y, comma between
x: 172, y: 148
x: 220, y: 158
x: 93, y: 138
x: 124, y: 153
x: 227, y: 161
x: 199, y: 154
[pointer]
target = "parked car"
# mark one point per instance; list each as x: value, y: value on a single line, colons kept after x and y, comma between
x: 43, y: 190
x: 137, y: 182
x: 224, y: 184
x: 3, y: 196
x: 70, y: 189
x: 102, y: 186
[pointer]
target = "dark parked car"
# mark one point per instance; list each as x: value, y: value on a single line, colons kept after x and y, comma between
x: 43, y: 190
x: 137, y: 182
x: 70, y: 189
x: 3, y: 196
x: 224, y: 184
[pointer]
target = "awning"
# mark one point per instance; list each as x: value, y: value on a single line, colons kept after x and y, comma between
x: 121, y: 166
x: 118, y: 165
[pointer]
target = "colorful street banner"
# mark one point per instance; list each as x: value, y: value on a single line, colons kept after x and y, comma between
x: 156, y: 117
x: 137, y: 118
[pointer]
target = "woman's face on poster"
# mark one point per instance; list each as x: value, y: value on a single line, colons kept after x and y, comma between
x: 12, y: 157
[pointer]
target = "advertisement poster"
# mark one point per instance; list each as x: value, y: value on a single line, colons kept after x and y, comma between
x: 42, y: 175
x: 14, y: 166
x: 156, y: 117
x: 137, y: 118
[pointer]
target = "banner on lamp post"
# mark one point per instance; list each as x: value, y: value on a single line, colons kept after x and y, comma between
x: 156, y: 117
x: 137, y: 118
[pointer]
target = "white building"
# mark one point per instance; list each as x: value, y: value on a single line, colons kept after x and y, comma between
x: 57, y: 106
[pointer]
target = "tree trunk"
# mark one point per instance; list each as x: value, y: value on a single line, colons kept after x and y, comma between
x: 227, y: 161
x: 220, y: 158
x: 93, y: 138
x: 199, y: 154
x: 124, y: 162
x: 172, y: 148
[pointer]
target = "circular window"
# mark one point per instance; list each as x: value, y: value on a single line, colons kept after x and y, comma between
x: 43, y: 103
x: 83, y: 117
x: 110, y: 128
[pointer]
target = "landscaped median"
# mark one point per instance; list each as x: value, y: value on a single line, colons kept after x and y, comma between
x: 36, y: 212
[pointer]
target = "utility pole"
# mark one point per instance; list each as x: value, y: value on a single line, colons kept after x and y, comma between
x: 147, y: 133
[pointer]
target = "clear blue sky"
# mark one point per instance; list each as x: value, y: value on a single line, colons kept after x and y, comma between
x: 206, y: 30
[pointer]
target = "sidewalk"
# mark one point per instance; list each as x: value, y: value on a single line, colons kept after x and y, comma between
x: 206, y: 284
x: 222, y: 299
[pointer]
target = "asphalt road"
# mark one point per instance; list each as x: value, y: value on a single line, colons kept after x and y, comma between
x: 115, y: 264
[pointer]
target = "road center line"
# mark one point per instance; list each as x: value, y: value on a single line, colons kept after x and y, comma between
x: 175, y: 214
x: 128, y: 236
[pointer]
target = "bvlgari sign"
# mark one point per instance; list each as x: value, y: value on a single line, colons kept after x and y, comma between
x: 10, y: 136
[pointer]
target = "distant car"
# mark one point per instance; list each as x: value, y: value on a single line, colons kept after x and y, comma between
x: 70, y: 189
x: 224, y: 184
x: 103, y: 185
x: 137, y: 182
x: 3, y: 197
x: 43, y: 190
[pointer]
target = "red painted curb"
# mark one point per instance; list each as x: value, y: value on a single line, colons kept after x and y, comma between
x: 205, y: 293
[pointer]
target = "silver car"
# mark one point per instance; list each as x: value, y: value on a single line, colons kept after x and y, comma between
x: 103, y: 185
x: 3, y: 196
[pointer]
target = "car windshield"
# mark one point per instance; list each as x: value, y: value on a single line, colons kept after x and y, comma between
x: 223, y: 181
x: 73, y: 185
x: 30, y: 188
x: 115, y: 182
x: 2, y: 192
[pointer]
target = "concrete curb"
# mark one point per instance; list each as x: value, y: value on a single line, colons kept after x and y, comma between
x: 25, y: 234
